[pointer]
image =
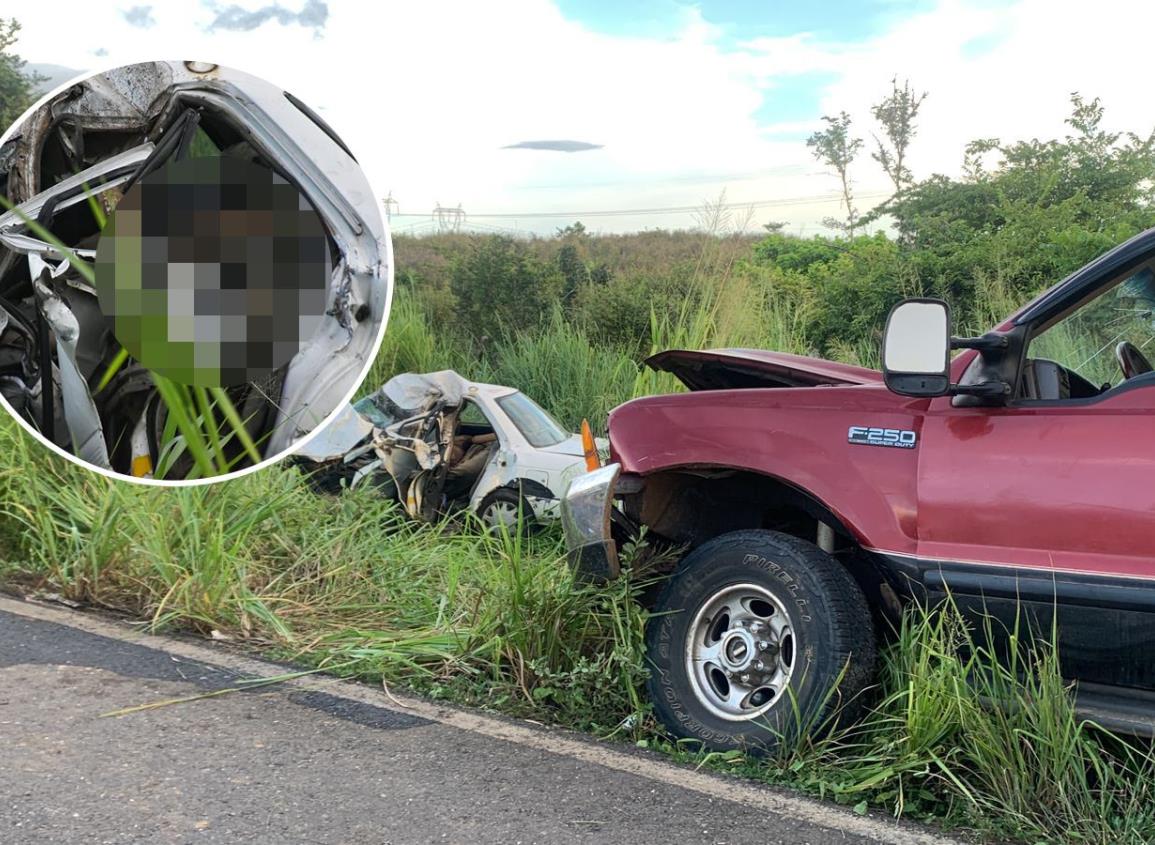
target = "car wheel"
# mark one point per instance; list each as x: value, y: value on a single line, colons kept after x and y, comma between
x: 757, y: 638
x: 324, y: 478
x: 501, y: 508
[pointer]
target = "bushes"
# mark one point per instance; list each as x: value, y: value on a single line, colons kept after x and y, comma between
x: 499, y: 284
x: 618, y: 313
x: 798, y: 254
x: 853, y: 293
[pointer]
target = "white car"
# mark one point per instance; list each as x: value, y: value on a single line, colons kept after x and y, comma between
x: 441, y: 444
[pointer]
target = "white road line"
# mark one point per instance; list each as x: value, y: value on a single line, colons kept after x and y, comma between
x: 551, y: 740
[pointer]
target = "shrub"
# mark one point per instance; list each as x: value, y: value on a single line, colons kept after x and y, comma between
x: 497, y: 282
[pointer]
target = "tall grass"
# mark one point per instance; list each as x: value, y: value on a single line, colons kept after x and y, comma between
x: 558, y: 365
x: 496, y: 620
x: 411, y: 345
x: 564, y: 371
x: 977, y: 741
x: 341, y: 580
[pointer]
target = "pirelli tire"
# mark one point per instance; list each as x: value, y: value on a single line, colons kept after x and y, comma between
x: 757, y: 638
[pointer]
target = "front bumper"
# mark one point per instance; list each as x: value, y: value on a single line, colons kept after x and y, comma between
x: 586, y: 509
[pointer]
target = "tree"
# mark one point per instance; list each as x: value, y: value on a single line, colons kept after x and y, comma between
x: 17, y: 88
x: 573, y: 230
x: 573, y: 271
x: 896, y: 113
x: 834, y: 147
x: 1025, y: 214
x: 500, y: 287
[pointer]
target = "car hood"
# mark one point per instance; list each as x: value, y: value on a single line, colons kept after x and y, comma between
x: 730, y: 369
x: 572, y: 446
x: 344, y: 431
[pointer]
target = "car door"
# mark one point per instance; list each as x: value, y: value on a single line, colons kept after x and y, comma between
x: 500, y: 467
x: 1048, y: 505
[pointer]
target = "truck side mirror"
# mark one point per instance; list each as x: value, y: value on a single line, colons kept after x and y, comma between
x: 916, y: 348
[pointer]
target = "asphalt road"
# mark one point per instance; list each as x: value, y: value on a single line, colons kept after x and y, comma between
x: 322, y: 761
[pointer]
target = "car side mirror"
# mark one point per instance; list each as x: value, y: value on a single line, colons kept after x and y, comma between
x: 916, y: 348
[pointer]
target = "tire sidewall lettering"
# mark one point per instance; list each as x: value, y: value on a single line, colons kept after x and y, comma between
x: 796, y: 573
x: 779, y: 573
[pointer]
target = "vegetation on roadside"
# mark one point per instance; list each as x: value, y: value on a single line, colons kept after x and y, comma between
x: 1021, y: 217
x: 17, y: 84
x: 497, y: 621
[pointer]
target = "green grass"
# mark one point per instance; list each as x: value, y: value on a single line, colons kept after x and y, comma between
x: 323, y: 579
x: 497, y: 621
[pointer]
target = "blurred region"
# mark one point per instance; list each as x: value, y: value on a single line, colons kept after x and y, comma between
x: 213, y: 271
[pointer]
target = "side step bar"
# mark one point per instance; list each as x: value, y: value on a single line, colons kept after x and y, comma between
x: 1118, y: 709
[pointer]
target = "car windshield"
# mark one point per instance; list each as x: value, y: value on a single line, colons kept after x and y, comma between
x: 537, y: 426
x: 370, y: 410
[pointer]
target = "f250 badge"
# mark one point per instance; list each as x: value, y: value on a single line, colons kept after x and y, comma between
x: 894, y: 437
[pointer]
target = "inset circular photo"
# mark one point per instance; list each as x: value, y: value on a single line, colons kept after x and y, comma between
x: 194, y: 272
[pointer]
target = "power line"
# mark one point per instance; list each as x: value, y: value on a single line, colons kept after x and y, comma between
x: 503, y: 230
x: 409, y: 227
x: 391, y: 207
x: 637, y: 212
x: 448, y: 219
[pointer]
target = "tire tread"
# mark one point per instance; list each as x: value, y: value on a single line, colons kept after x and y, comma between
x: 850, y: 621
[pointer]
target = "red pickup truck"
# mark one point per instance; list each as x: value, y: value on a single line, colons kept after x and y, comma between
x: 815, y: 498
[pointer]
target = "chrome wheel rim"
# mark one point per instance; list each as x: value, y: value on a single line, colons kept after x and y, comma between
x: 740, y: 652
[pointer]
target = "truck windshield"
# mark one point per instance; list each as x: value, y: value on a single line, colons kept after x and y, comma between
x: 535, y: 425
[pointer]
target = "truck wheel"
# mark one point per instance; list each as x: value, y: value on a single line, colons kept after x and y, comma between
x: 756, y: 638
x: 501, y: 508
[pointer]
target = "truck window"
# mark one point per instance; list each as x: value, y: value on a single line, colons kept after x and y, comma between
x: 1083, y: 342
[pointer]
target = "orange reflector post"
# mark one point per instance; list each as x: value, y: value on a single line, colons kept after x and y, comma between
x: 590, y: 448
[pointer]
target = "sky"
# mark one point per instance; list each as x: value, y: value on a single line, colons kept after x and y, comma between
x: 659, y: 105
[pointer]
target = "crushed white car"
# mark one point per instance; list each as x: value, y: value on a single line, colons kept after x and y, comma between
x: 441, y: 444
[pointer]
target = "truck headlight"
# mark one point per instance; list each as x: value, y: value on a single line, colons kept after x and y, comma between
x: 585, y: 513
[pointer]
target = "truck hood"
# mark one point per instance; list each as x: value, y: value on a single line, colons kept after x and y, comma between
x: 730, y: 369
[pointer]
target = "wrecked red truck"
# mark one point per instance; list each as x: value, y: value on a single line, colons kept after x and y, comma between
x: 815, y: 499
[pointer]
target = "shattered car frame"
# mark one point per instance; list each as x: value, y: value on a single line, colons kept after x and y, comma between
x: 68, y: 162
x: 441, y: 444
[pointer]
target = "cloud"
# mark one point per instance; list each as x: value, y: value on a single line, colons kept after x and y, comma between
x: 427, y: 106
x: 313, y: 14
x: 139, y: 16
x: 556, y: 146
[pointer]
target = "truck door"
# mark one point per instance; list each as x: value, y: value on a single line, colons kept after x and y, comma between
x: 1048, y: 505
